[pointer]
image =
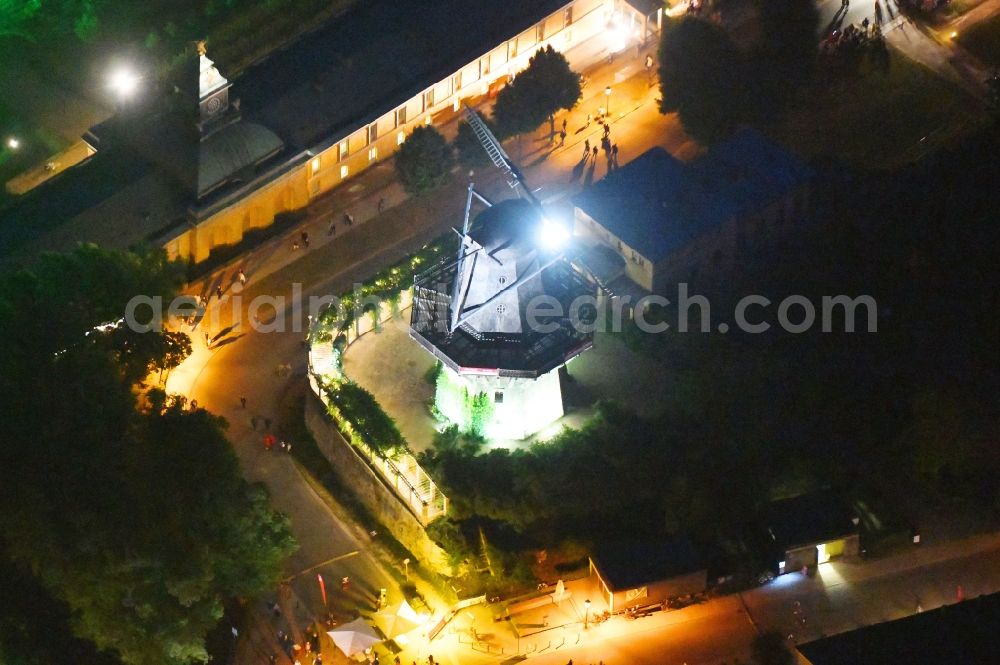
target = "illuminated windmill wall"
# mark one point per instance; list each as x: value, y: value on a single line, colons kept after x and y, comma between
x: 482, y: 315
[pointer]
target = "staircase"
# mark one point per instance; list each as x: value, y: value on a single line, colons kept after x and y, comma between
x: 492, y: 147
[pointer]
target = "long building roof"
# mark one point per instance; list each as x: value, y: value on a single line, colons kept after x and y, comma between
x: 377, y: 56
x: 327, y: 84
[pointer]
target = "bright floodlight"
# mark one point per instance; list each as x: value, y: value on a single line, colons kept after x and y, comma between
x: 124, y: 82
x: 553, y: 236
x: 13, y: 143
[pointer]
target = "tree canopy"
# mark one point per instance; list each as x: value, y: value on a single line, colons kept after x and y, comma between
x: 130, y: 511
x: 713, y: 84
x: 470, y: 151
x: 536, y: 94
x: 699, y: 77
x: 424, y: 160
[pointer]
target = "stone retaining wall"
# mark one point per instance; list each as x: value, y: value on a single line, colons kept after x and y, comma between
x: 371, y: 490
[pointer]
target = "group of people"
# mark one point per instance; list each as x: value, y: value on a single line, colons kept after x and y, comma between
x: 270, y: 440
x: 610, y: 149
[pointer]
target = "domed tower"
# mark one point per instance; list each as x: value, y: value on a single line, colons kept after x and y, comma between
x: 498, y: 316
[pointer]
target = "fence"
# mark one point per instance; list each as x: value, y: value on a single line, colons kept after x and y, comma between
x: 402, y: 472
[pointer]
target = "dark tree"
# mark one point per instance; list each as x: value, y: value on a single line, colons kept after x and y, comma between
x: 136, y: 518
x: 470, y: 151
x: 424, y: 160
x: 699, y: 77
x: 783, y: 58
x: 536, y: 94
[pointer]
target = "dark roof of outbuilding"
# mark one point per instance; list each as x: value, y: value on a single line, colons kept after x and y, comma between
x: 749, y: 171
x: 656, y: 204
x: 627, y: 565
x: 965, y: 632
x: 809, y: 519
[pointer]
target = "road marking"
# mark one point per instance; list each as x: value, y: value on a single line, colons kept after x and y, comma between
x: 323, y: 563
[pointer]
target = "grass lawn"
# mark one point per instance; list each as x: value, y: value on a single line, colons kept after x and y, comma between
x: 983, y: 40
x: 878, y: 118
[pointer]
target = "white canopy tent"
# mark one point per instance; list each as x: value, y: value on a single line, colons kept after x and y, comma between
x: 397, y: 619
x: 354, y: 637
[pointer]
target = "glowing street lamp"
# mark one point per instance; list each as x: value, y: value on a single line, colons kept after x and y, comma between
x: 123, y: 82
x: 13, y: 143
x: 586, y: 614
x: 406, y: 568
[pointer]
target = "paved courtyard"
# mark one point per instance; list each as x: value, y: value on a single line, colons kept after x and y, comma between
x: 393, y: 367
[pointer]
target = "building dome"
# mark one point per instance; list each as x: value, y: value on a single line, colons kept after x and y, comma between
x: 231, y: 150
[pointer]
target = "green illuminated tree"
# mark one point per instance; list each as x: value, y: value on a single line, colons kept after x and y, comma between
x: 424, y: 160
x: 15, y: 15
x: 481, y: 411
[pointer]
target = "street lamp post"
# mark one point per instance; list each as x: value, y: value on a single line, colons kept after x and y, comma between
x: 406, y: 569
x: 586, y: 614
x: 607, y: 93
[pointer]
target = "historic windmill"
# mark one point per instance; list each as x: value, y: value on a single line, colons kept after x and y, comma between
x: 483, y: 314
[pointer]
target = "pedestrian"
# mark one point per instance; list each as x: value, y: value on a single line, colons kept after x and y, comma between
x: 586, y: 148
x: 242, y: 276
x: 562, y: 138
x: 348, y: 219
x: 218, y: 291
x: 590, y: 118
x: 381, y: 205
x: 305, y: 239
x: 594, y: 151
x: 614, y: 152
x: 288, y: 448
x: 295, y: 245
x: 607, y: 130
x: 208, y: 339
x: 194, y: 405
x: 564, y: 125
x: 281, y: 445
x: 332, y: 229
x: 243, y: 402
